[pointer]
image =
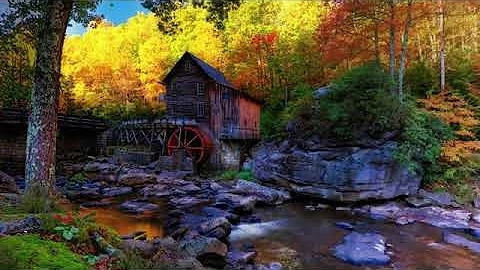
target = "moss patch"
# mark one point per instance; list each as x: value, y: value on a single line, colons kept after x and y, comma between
x: 31, y: 252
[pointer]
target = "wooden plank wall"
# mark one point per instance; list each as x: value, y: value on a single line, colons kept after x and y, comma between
x: 249, y: 119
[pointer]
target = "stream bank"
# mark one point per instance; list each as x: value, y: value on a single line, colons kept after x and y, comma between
x: 185, y: 221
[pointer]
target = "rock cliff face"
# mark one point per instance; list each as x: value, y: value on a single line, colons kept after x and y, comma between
x: 336, y: 173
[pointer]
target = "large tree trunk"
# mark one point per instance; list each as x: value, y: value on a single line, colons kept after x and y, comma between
x: 403, y: 59
x: 442, y: 45
x: 42, y: 124
x: 392, y: 44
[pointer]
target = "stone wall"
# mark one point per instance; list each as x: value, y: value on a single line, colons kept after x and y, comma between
x: 71, y: 143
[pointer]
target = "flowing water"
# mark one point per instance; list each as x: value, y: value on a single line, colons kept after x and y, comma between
x: 291, y: 231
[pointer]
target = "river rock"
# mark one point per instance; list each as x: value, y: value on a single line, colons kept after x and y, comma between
x: 27, y: 225
x: 138, y: 207
x: 239, y: 259
x: 238, y: 203
x: 345, y: 225
x: 116, y: 191
x: 145, y: 248
x: 100, y: 171
x: 213, y: 212
x: 362, y: 249
x: 85, y: 193
x: 209, y: 251
x: 476, y: 217
x: 344, y: 174
x: 170, y: 256
x: 433, y: 215
x: 137, y: 179
x: 459, y: 240
x: 158, y: 190
x: 190, y: 189
x: 218, y: 227
x: 417, y: 201
x: 439, y: 198
x: 186, y: 202
x: 476, y: 202
x: 264, y: 194
x: 7, y: 183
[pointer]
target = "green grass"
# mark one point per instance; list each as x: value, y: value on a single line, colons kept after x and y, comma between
x: 31, y: 252
x: 234, y: 175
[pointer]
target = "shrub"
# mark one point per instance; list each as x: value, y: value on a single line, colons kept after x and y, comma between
x: 460, y: 70
x: 357, y: 106
x: 421, y: 79
x: 35, y: 201
x: 421, y: 142
x: 276, y: 114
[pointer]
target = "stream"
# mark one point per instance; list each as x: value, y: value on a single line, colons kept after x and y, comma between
x: 291, y: 232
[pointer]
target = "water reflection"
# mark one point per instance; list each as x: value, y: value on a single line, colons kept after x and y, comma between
x: 127, y: 224
x: 313, y: 234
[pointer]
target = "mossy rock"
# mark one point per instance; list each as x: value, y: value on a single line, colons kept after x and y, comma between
x: 31, y: 252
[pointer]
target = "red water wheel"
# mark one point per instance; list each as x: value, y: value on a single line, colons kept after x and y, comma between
x: 193, y: 141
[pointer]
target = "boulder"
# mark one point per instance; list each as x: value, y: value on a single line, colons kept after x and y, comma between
x: 438, y: 198
x: 116, y: 191
x: 240, y: 259
x: 84, y: 194
x: 264, y: 194
x: 137, y: 179
x: 186, y: 202
x: 476, y: 202
x: 144, y: 248
x: 238, y: 203
x: 217, y: 227
x: 27, y: 225
x: 209, y: 251
x: 417, y: 201
x: 362, y: 249
x: 345, y: 225
x: 190, y: 188
x: 7, y: 184
x: 336, y: 173
x: 170, y: 256
x: 476, y: 217
x: 101, y: 171
x: 138, y: 206
x: 433, y: 215
x: 158, y: 190
x: 213, y: 212
x: 459, y: 240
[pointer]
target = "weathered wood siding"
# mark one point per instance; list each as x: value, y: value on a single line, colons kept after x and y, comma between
x: 227, y: 112
x: 249, y: 119
x: 187, y: 94
x: 234, y: 116
x: 224, y: 103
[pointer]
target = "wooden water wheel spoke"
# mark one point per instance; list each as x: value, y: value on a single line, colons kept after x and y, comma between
x: 190, y: 142
x: 190, y: 139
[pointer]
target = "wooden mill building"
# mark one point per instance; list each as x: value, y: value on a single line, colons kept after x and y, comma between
x: 226, y: 119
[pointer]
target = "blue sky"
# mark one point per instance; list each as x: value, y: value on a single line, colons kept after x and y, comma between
x: 114, y: 11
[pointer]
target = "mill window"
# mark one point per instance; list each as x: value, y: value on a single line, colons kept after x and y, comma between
x: 187, y: 66
x: 199, y: 88
x: 202, y: 109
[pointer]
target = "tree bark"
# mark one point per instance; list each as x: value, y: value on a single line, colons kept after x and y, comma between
x: 442, y: 45
x: 42, y: 123
x: 403, y: 59
x: 392, y: 44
